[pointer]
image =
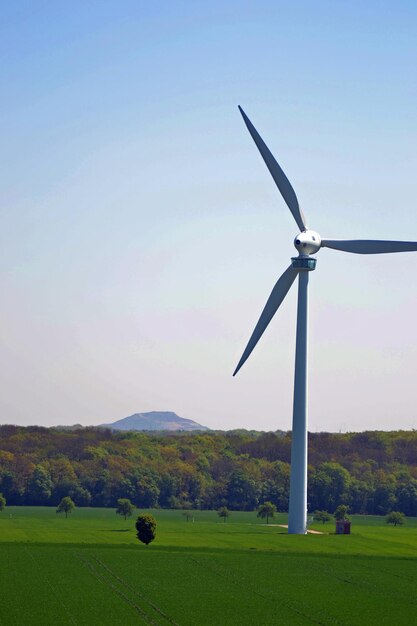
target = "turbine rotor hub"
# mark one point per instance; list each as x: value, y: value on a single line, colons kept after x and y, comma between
x: 307, y: 242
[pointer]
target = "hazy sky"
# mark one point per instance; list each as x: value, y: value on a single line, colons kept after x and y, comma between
x: 141, y: 232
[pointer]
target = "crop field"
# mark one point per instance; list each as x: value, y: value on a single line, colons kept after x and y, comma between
x: 90, y: 569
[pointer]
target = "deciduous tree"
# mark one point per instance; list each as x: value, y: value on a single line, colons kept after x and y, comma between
x: 330, y: 483
x: 66, y: 506
x: 242, y: 491
x: 223, y: 512
x: 125, y: 507
x: 40, y: 485
x: 396, y: 518
x: 322, y: 516
x: 146, y: 528
x: 341, y: 512
x: 267, y: 509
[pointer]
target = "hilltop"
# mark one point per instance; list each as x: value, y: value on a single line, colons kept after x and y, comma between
x: 155, y: 420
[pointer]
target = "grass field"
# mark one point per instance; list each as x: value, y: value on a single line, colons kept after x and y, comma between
x: 90, y: 569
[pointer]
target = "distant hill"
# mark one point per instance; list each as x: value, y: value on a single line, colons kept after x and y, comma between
x: 155, y: 420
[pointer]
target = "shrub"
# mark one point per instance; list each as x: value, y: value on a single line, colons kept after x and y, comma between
x: 146, y: 528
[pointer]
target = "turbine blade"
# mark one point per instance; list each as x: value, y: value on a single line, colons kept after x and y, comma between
x: 369, y: 246
x: 277, y: 174
x: 274, y: 301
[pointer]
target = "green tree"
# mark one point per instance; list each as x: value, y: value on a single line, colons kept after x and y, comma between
x: 10, y: 488
x: 146, y: 528
x: 322, y: 516
x: 40, y: 485
x: 267, y: 509
x: 82, y: 497
x: 341, y: 512
x: 396, y: 518
x: 188, y: 514
x: 66, y: 506
x: 384, y: 494
x: 407, y: 497
x: 242, y: 491
x: 124, y: 507
x: 223, y: 512
x: 329, y: 484
x: 147, y: 490
x: 276, y: 488
x: 103, y: 489
x: 361, y: 493
x: 2, y: 502
x: 168, y: 488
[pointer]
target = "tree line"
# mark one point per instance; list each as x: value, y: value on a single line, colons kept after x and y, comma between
x: 371, y: 472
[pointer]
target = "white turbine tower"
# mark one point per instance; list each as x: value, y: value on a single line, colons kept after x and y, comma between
x: 307, y: 242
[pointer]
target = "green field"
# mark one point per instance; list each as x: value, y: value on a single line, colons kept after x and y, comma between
x: 90, y: 569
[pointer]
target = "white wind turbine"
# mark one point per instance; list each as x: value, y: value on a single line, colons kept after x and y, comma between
x: 307, y: 242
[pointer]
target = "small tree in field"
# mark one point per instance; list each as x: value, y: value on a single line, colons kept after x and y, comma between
x: 124, y: 507
x: 146, y: 528
x: 2, y: 502
x: 267, y: 509
x: 223, y: 512
x: 396, y: 518
x: 322, y: 516
x: 188, y: 514
x: 341, y: 512
x: 66, y: 506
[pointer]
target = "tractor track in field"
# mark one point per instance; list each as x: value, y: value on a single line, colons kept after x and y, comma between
x: 389, y: 573
x: 371, y: 587
x: 100, y: 577
x: 105, y: 574
x: 155, y: 607
x: 237, y: 580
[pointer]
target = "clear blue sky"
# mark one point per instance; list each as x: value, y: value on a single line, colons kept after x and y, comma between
x: 141, y: 233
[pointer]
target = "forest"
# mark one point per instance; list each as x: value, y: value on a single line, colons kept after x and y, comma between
x: 372, y: 472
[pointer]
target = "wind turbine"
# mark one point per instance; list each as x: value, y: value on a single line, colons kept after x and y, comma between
x: 307, y: 242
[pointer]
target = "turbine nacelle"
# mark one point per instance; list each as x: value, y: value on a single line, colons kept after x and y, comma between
x: 307, y: 242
